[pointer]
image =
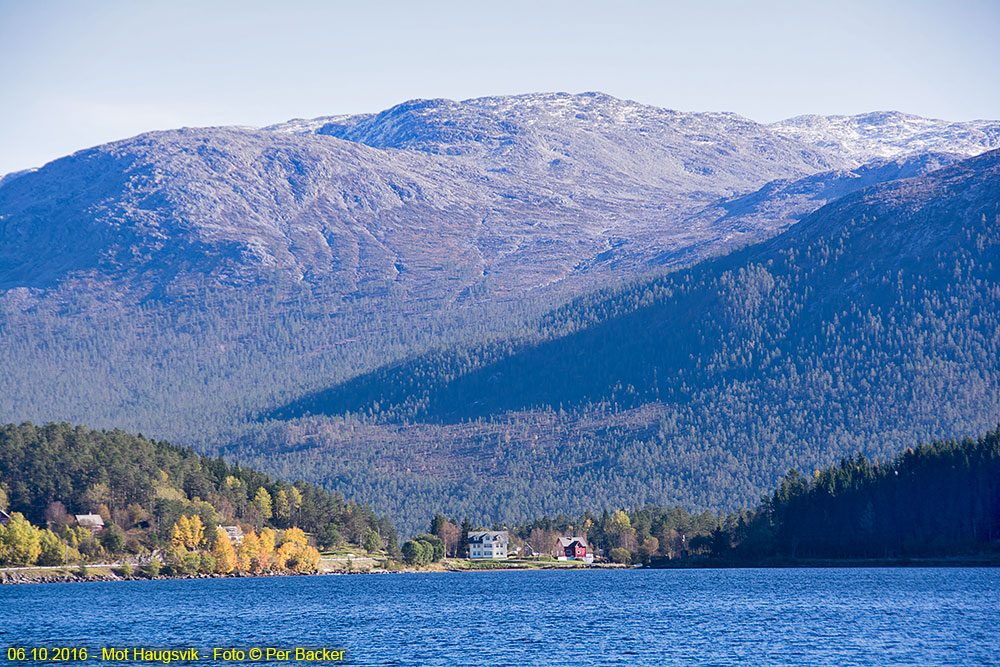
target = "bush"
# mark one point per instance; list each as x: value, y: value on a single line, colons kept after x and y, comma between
x: 175, y: 561
x: 190, y: 563
x: 371, y: 543
x: 434, y: 546
x: 89, y: 546
x: 125, y: 570
x: 152, y: 568
x: 82, y: 571
x: 112, y: 538
x: 416, y: 553
x: 208, y: 563
x: 619, y: 555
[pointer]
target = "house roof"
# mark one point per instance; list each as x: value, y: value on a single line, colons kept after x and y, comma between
x: 492, y: 536
x: 234, y: 533
x: 90, y: 520
x: 568, y: 541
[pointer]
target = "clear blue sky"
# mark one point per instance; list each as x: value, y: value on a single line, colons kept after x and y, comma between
x: 75, y: 73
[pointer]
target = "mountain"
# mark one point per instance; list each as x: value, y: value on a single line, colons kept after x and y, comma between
x: 15, y: 174
x: 888, y: 134
x: 433, y: 199
x: 185, y: 283
x: 492, y: 126
x: 426, y: 198
x: 870, y: 324
x: 737, y: 221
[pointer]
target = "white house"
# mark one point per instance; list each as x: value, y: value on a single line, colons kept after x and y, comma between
x: 234, y: 533
x: 488, y: 544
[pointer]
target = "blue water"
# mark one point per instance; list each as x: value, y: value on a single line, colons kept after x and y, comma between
x: 902, y: 616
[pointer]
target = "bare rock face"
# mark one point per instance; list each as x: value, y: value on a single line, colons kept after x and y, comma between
x: 483, y: 199
x: 889, y: 134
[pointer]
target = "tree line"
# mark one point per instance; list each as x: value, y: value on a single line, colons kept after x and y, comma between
x: 935, y: 500
x: 931, y: 501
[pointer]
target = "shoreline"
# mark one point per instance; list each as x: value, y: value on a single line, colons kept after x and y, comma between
x: 61, y: 576
x: 981, y: 560
x: 106, y: 574
x: 68, y: 574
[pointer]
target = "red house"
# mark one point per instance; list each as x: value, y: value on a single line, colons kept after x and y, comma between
x: 574, y: 548
x: 92, y: 522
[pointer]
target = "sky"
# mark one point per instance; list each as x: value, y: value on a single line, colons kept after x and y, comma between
x: 74, y: 74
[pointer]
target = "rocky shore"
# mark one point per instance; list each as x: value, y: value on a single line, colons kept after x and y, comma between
x: 106, y: 574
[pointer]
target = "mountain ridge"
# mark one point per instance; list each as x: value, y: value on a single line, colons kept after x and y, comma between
x: 875, y: 134
x: 524, y: 193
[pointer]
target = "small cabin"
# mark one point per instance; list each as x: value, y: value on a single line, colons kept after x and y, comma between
x: 92, y: 522
x: 4, y: 518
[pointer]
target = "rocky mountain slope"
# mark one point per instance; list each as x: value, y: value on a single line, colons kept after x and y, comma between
x: 433, y: 199
x: 888, y: 134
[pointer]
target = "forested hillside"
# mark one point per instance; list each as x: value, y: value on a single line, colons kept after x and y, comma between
x: 825, y: 291
x: 870, y: 325
x: 143, y: 486
x: 935, y: 500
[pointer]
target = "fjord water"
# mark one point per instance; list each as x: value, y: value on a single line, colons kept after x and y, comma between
x: 830, y: 616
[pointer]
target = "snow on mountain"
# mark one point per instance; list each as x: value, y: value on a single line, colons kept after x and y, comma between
x: 562, y: 137
x: 890, y: 134
x: 497, y: 196
x: 493, y: 197
x: 496, y: 124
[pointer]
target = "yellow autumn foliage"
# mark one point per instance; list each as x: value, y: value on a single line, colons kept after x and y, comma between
x: 224, y: 553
